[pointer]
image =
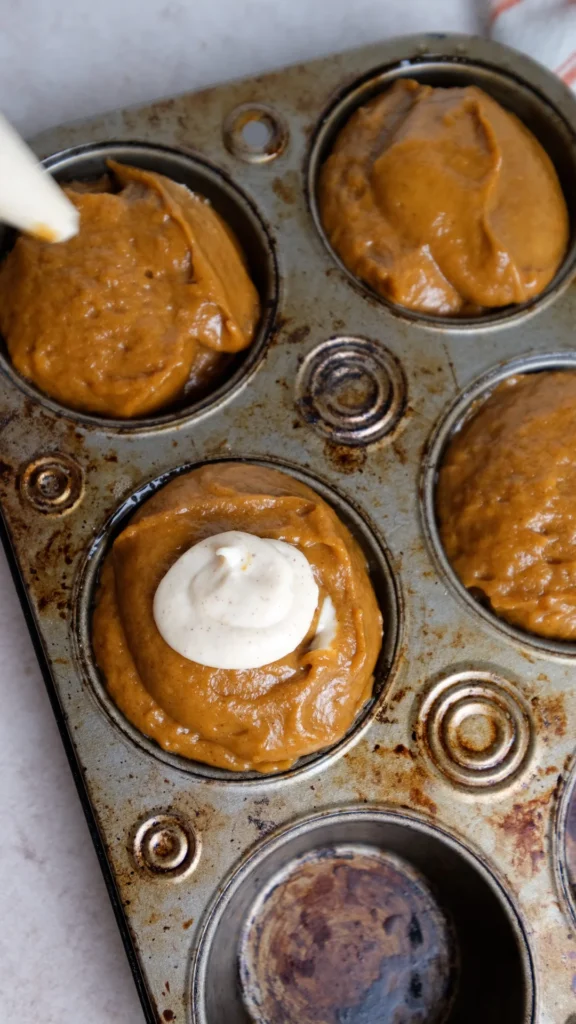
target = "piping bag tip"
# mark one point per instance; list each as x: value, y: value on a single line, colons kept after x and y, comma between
x: 30, y: 199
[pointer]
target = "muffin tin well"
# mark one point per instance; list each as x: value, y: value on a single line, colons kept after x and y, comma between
x: 471, y: 399
x: 522, y: 96
x: 428, y: 870
x: 383, y: 581
x: 458, y: 776
x: 88, y: 163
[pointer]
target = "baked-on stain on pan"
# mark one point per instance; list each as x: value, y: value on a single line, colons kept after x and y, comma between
x: 348, y: 935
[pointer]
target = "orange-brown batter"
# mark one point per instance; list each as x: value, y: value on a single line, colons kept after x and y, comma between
x: 141, y: 307
x: 443, y: 202
x: 506, y: 503
x: 262, y: 719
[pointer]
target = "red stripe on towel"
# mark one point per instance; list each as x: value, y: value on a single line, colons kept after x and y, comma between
x: 500, y: 6
x: 567, y: 70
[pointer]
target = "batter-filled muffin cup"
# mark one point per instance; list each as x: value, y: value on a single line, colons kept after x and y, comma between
x: 443, y: 201
x: 505, y: 503
x: 146, y: 306
x: 235, y: 621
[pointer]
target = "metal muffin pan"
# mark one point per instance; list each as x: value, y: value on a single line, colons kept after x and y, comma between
x: 461, y: 768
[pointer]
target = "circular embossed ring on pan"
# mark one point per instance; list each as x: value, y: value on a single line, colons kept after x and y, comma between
x: 477, y: 729
x: 255, y: 133
x: 52, y: 483
x: 165, y: 845
x: 351, y: 390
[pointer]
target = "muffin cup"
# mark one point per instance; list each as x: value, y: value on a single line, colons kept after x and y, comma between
x: 460, y: 411
x: 519, y: 85
x: 386, y: 588
x: 88, y: 163
x: 450, y: 902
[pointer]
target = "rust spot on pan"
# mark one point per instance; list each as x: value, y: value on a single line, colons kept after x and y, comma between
x: 298, y: 334
x: 398, y: 775
x: 158, y: 111
x: 345, y: 459
x: 551, y: 714
x: 400, y: 452
x: 262, y: 826
x: 286, y: 189
x: 403, y: 751
x: 524, y: 828
x: 418, y: 798
x: 399, y: 695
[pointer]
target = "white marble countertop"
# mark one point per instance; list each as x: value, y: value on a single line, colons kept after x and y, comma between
x: 61, y: 958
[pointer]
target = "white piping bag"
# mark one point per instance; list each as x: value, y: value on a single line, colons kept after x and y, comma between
x: 30, y: 199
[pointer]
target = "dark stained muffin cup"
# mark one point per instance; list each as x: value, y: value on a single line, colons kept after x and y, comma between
x: 360, y: 916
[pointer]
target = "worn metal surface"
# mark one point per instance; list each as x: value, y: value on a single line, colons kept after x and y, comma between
x: 468, y: 746
x: 351, y: 927
x: 442, y: 906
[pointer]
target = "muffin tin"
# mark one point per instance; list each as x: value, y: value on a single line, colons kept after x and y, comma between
x: 455, y: 784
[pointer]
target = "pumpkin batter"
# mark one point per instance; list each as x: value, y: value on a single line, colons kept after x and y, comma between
x: 505, y: 503
x: 143, y: 306
x: 262, y: 719
x: 443, y: 201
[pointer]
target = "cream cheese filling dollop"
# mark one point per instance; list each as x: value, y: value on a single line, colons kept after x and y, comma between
x: 326, y: 628
x: 238, y: 601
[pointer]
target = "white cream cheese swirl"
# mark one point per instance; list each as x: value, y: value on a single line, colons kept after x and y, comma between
x: 237, y: 601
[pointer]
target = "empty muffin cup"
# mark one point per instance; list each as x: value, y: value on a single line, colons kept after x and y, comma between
x: 343, y: 932
x: 360, y: 916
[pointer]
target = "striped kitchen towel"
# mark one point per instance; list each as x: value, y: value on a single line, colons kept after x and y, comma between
x: 544, y: 29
